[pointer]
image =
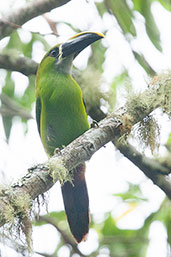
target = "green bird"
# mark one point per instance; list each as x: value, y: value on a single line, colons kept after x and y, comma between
x: 61, y: 117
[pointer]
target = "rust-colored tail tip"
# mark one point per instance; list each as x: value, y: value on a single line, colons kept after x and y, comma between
x: 83, y: 239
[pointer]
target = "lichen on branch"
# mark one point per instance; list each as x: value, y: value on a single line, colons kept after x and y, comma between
x: 141, y: 106
x: 157, y: 95
x: 16, y: 212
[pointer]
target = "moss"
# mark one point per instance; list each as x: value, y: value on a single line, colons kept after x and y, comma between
x: 22, y: 203
x: 8, y: 210
x: 22, y: 207
x: 9, y: 214
x: 158, y: 95
x: 148, y: 133
x: 162, y: 97
x: 16, y: 213
x: 141, y: 105
x: 58, y: 171
x: 26, y: 227
x: 165, y: 94
x: 137, y: 105
x: 127, y: 122
x: 2, y: 190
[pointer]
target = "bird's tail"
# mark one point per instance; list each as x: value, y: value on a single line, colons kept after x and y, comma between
x: 76, y: 204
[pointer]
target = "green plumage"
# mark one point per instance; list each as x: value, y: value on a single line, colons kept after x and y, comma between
x: 62, y: 113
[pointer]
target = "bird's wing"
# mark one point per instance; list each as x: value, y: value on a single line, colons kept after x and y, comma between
x: 84, y: 104
x: 38, y: 112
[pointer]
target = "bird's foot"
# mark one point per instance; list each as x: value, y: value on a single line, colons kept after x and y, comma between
x: 94, y: 124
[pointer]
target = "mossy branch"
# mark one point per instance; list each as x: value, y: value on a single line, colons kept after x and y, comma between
x: 158, y: 95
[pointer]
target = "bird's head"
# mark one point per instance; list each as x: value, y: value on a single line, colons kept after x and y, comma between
x: 60, y: 57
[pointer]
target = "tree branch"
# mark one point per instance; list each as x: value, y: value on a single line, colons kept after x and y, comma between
x: 151, y: 168
x: 11, y: 108
x: 20, y: 64
x: 30, y: 10
x: 39, y: 179
x: 65, y: 237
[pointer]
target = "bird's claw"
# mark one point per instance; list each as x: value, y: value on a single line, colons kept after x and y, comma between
x: 94, y: 124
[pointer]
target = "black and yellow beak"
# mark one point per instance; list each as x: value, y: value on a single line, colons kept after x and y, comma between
x: 80, y: 41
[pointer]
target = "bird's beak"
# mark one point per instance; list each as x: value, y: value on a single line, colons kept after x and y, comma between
x: 80, y: 41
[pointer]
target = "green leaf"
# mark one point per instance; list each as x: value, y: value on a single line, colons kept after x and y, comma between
x: 166, y: 4
x: 123, y: 14
x: 8, y: 89
x: 168, y: 144
x: 101, y: 7
x: 142, y: 61
x: 9, y: 86
x: 14, y: 42
x: 28, y: 97
x: 7, y: 123
x: 164, y: 215
x: 57, y: 216
x: 144, y: 7
x: 109, y: 228
x: 137, y: 5
x: 121, y: 242
x: 27, y: 48
x: 133, y: 194
x: 39, y: 223
x: 152, y: 29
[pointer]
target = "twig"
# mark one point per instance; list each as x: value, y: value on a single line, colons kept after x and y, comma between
x: 51, y: 23
x: 45, y: 254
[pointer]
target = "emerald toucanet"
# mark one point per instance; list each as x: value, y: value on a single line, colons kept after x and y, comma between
x: 61, y: 117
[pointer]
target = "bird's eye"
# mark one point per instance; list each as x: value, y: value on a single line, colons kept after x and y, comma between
x: 54, y: 52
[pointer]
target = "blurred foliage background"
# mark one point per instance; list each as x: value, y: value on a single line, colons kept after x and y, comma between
x: 101, y: 90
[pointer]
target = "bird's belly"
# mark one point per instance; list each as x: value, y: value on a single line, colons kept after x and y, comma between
x: 62, y: 127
